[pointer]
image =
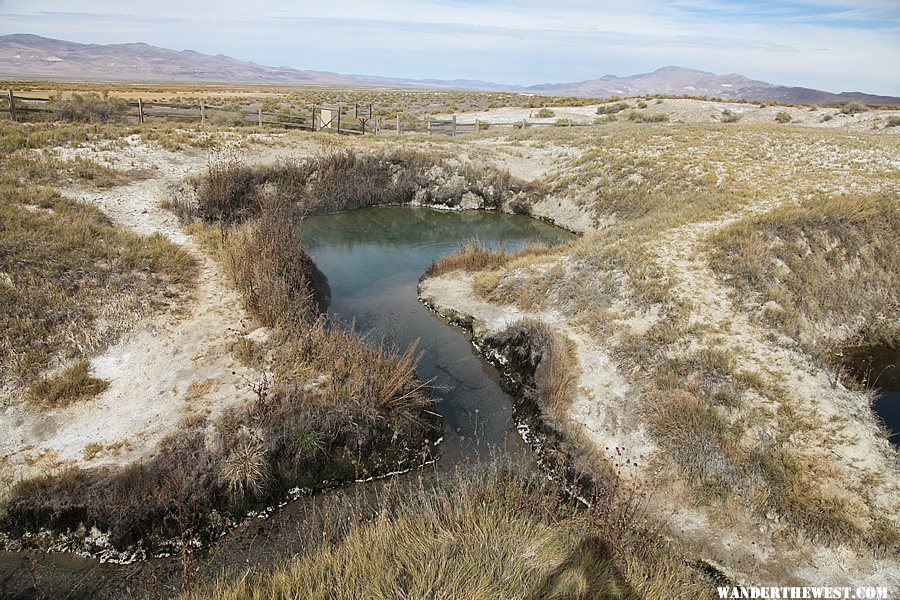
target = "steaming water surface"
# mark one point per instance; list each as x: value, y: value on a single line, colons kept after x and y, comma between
x: 373, y: 259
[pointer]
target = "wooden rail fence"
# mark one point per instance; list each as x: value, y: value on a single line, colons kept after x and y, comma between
x: 340, y: 118
x: 350, y: 119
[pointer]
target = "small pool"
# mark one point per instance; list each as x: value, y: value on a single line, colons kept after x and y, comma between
x: 373, y: 259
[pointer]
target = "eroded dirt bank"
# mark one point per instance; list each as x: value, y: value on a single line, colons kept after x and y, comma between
x: 608, y: 409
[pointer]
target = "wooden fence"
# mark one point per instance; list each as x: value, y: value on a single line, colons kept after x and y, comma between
x: 453, y: 126
x: 340, y: 118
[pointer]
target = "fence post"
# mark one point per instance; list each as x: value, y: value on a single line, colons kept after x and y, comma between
x: 202, y: 113
x: 339, y: 118
x: 477, y: 125
x: 398, y: 125
x: 313, y: 120
x: 12, y: 105
x: 453, y: 129
x: 524, y: 123
x: 140, y: 111
x: 259, y: 114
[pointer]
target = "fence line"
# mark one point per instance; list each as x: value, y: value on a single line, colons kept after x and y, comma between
x: 351, y: 119
x: 340, y: 118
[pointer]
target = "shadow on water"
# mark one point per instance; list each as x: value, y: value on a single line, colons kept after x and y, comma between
x: 878, y: 367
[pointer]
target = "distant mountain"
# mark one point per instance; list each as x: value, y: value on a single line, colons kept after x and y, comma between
x: 678, y: 81
x: 667, y: 80
x: 25, y: 55
x: 34, y: 56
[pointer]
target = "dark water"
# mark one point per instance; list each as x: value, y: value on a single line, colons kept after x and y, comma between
x: 373, y: 259
x: 878, y: 367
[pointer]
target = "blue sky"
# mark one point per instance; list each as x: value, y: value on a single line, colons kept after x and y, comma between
x: 834, y: 45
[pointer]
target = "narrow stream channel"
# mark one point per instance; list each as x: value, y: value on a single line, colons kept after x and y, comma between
x: 373, y: 259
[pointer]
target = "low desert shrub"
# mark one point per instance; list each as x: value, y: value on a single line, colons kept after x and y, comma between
x: 729, y: 116
x: 640, y: 117
x: 88, y: 108
x: 611, y: 109
x: 852, y: 108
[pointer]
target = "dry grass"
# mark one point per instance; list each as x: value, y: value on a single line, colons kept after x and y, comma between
x: 346, y: 180
x: 269, y: 266
x: 334, y: 409
x: 70, y: 280
x: 249, y: 353
x: 696, y: 408
x: 828, y: 264
x: 490, y: 536
x: 64, y: 269
x: 549, y: 363
x: 822, y: 272
x: 474, y: 256
x: 74, y: 384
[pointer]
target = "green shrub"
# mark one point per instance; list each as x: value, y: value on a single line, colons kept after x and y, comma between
x: 640, y: 117
x: 783, y: 117
x: 544, y: 113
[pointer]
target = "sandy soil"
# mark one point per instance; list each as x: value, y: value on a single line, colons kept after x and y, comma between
x: 169, y: 367
x: 697, y: 111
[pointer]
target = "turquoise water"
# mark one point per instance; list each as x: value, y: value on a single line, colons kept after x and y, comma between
x: 373, y: 259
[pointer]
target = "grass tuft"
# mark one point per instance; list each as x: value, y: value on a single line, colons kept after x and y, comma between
x: 74, y: 384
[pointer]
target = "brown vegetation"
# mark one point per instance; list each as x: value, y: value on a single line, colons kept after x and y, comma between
x: 347, y: 180
x: 805, y: 265
x: 58, y: 259
x: 73, y: 384
x: 494, y: 535
x: 336, y: 409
